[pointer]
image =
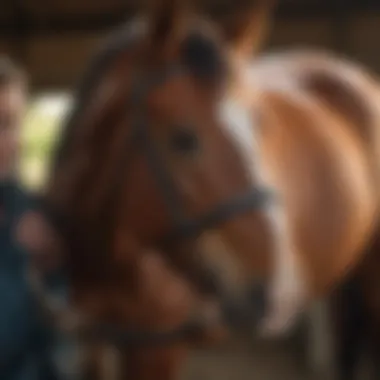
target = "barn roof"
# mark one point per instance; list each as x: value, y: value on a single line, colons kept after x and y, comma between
x: 54, y: 39
x: 20, y: 17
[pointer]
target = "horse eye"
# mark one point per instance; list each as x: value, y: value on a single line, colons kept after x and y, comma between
x: 184, y: 141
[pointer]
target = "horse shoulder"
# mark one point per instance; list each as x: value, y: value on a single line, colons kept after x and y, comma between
x: 353, y: 95
x: 347, y: 91
x: 306, y: 150
x: 348, y: 99
x: 345, y: 88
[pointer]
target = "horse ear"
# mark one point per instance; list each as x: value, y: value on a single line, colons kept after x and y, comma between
x: 166, y: 22
x: 245, y: 28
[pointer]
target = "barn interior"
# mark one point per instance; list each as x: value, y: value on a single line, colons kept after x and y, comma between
x: 53, y: 40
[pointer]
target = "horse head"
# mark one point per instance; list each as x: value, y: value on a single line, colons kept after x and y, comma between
x: 163, y: 149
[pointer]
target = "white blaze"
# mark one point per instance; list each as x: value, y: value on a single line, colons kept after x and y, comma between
x: 287, y: 290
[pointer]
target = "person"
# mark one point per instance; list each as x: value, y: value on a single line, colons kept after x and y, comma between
x: 25, y: 340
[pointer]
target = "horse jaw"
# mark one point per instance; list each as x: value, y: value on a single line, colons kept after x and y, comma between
x: 289, y: 290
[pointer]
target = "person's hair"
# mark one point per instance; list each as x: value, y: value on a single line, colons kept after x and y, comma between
x: 10, y: 72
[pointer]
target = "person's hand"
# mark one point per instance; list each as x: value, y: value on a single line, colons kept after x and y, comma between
x: 35, y: 235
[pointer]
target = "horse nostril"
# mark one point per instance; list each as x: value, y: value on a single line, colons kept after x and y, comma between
x: 259, y: 299
x: 246, y: 311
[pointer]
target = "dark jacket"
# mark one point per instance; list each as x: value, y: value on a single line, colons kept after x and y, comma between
x: 24, y: 340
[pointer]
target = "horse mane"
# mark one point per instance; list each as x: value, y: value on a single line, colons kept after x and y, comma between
x: 120, y: 40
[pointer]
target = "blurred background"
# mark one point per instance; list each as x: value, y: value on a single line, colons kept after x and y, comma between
x: 54, y: 39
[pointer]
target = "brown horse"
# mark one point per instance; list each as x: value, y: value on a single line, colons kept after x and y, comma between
x: 184, y: 157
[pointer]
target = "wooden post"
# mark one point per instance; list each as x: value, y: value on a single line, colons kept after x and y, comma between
x: 319, y: 342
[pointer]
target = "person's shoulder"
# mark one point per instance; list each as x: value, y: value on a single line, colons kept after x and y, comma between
x: 26, y: 199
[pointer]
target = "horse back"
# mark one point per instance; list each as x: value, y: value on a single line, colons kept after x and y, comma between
x: 344, y: 89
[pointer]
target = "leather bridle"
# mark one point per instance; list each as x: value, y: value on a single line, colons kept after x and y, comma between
x: 184, y: 228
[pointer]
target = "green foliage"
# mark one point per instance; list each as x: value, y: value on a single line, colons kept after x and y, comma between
x: 38, y: 138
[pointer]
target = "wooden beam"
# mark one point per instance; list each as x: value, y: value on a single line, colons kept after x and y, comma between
x: 56, y: 61
x: 53, y: 24
x: 63, y: 24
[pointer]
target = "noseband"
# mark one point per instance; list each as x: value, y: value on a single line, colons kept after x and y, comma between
x: 183, y: 227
